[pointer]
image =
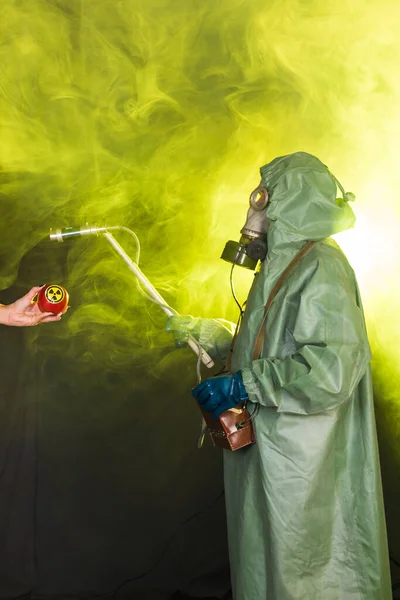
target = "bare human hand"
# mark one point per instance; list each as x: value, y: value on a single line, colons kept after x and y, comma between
x: 24, y: 312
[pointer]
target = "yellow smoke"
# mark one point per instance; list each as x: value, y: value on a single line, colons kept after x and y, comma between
x: 157, y: 116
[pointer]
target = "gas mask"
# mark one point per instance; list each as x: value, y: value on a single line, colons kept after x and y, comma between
x: 252, y: 246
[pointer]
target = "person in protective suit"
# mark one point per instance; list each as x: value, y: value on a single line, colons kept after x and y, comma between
x: 304, y: 503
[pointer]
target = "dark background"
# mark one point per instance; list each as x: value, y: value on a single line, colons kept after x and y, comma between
x: 156, y: 115
x: 101, y: 480
x: 103, y: 492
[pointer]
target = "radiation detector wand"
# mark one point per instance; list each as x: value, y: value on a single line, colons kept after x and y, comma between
x: 74, y: 232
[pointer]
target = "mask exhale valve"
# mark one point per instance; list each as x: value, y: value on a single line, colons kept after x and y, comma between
x: 252, y: 245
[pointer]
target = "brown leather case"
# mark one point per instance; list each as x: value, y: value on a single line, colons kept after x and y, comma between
x: 233, y: 430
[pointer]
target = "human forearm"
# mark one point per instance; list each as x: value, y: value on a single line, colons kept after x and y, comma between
x: 313, y: 380
x: 3, y: 315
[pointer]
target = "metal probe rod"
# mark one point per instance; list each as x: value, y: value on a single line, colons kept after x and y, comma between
x: 205, y: 358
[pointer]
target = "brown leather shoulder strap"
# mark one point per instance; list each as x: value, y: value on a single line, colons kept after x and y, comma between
x: 260, y: 335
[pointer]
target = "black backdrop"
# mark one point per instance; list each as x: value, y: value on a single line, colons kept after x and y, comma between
x: 101, y: 481
x: 103, y: 492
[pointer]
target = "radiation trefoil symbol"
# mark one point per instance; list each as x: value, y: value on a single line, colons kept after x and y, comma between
x: 54, y: 294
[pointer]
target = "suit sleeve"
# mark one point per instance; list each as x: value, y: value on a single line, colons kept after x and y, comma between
x: 332, y: 350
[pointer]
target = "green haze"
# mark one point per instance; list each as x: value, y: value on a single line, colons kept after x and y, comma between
x: 156, y: 115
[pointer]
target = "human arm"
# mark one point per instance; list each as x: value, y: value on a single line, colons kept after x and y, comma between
x: 24, y: 313
x: 213, y: 335
x: 332, y: 351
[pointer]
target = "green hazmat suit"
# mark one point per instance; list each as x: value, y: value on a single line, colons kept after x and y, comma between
x: 304, y: 504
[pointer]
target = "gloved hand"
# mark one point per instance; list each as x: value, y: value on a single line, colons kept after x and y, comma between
x: 214, y: 335
x: 219, y: 393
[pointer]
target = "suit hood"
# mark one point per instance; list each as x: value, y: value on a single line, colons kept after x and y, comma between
x: 303, y: 203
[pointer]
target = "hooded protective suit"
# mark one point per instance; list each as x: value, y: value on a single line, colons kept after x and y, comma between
x: 304, y: 504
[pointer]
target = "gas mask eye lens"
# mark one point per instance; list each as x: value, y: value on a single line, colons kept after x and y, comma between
x: 259, y: 198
